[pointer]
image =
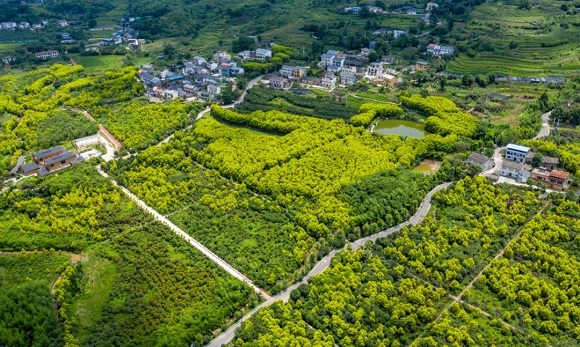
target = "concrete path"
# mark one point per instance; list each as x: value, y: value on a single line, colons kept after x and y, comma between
x: 227, y: 267
x: 325, y: 262
x: 545, y: 131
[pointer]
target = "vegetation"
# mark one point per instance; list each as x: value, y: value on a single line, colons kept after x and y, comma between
x: 282, y: 189
x: 534, y: 282
x: 375, y: 296
x: 35, y: 110
x: 135, y: 270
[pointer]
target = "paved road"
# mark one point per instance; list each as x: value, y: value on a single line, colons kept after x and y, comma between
x: 208, y: 109
x: 324, y: 263
x: 545, y: 131
x: 227, y: 267
x: 497, y: 159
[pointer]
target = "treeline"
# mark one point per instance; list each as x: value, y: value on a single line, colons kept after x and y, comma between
x: 264, y: 99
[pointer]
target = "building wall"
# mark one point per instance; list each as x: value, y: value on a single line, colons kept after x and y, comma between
x: 518, y: 156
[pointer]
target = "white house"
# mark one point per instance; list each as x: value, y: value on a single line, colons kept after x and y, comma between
x: 374, y: 69
x: 47, y: 54
x: 8, y: 59
x: 439, y: 51
x: 263, y: 54
x: 8, y: 25
x: 399, y: 33
x: 286, y: 70
x: 480, y: 160
x: 328, y: 81
x: 63, y: 23
x: 516, y: 153
x: 514, y: 170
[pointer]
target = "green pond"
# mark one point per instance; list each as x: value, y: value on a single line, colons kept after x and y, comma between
x: 400, y: 127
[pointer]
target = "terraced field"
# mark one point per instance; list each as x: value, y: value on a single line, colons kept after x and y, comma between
x: 541, y: 41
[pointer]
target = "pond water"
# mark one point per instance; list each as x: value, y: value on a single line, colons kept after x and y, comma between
x: 400, y: 127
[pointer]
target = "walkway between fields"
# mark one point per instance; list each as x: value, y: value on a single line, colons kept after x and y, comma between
x: 459, y: 298
x: 324, y: 263
x: 223, y: 264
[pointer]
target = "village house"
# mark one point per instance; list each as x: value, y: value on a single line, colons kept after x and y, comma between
x: 381, y: 31
x: 399, y: 33
x: 548, y: 163
x: 516, y: 153
x: 355, y: 60
x: 245, y: 55
x: 263, y: 54
x: 374, y: 69
x: 514, y: 170
x: 553, y: 179
x: 23, y: 25
x: 292, y: 71
x: 440, y: 51
x: 421, y: 65
x: 387, y: 80
x: 63, y: 23
x: 47, y: 54
x: 222, y: 56
x: 8, y: 59
x: 279, y: 83
x: 8, y: 25
x: 348, y: 76
x: 328, y: 81
x: 480, y: 160
x: 326, y: 58
x: 388, y: 59
x: 311, y: 81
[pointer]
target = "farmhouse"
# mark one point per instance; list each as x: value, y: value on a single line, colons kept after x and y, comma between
x: 548, y: 163
x: 439, y: 51
x: 421, y: 65
x: 47, y: 54
x: 399, y: 33
x: 279, y: 83
x: 8, y: 59
x: 480, y: 160
x: 328, y: 81
x: 554, y: 179
x: 263, y: 54
x: 514, y: 170
x: 29, y: 169
x: 516, y: 153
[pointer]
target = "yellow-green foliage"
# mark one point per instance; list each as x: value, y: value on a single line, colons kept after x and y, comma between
x: 369, y: 111
x: 569, y: 154
x: 445, y: 117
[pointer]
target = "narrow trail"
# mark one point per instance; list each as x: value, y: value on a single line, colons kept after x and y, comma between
x: 459, y: 298
x: 213, y: 257
x: 545, y: 131
x: 324, y: 263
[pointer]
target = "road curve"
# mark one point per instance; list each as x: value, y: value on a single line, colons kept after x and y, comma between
x: 325, y: 262
x: 545, y: 131
x: 222, y: 263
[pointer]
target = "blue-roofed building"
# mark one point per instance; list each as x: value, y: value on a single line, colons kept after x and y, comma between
x: 516, y: 153
x: 174, y: 78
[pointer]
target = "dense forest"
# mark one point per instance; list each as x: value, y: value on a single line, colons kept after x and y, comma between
x: 128, y: 281
x: 399, y: 291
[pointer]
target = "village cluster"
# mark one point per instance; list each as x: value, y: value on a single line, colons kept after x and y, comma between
x: 402, y: 10
x: 522, y: 165
x: 198, y: 79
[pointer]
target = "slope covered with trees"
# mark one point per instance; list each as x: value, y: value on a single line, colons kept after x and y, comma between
x: 281, y: 189
x: 396, y: 292
x: 137, y: 284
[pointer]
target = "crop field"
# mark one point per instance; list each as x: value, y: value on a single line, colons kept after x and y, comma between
x: 541, y: 41
x: 100, y: 62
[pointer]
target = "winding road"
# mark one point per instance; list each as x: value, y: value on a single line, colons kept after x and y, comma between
x: 325, y: 262
x: 545, y: 131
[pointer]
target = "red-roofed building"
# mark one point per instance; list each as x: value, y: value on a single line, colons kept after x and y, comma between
x: 110, y: 138
x: 555, y: 179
